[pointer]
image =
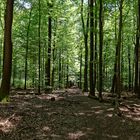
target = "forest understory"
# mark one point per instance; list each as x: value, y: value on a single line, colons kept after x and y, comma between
x: 68, y: 115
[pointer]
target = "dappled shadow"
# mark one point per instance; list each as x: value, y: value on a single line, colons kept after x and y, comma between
x: 71, y: 115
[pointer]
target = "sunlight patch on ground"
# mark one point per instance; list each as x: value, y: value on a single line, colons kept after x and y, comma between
x: 38, y: 106
x: 110, y: 109
x: 109, y: 115
x: 76, y: 135
x: 46, y: 129
x: 124, y: 109
x: 52, y: 113
x: 89, y: 129
x: 136, y: 119
x: 99, y: 112
x: 136, y: 105
x: 79, y: 114
x: 131, y: 111
x: 112, y: 136
x: 43, y: 97
x: 6, y: 125
x: 60, y: 98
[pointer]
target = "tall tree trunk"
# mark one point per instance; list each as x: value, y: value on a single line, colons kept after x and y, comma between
x: 67, y: 69
x: 95, y: 51
x: 0, y: 58
x: 139, y: 49
x: 129, y: 69
x: 81, y: 57
x: 53, y: 59
x: 116, y: 84
x: 54, y: 53
x: 137, y: 54
x: 85, y: 32
x: 7, y: 58
x: 91, y: 48
x: 60, y: 70
x: 115, y: 40
x: 67, y: 76
x: 119, y: 41
x: 39, y: 45
x: 122, y: 65
x: 100, y: 49
x: 1, y: 41
x: 43, y: 66
x: 27, y: 47
x: 118, y: 63
x: 48, y: 62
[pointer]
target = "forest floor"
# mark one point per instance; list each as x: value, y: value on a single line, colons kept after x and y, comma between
x: 71, y: 116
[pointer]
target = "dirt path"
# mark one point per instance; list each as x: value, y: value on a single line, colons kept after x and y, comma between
x: 71, y: 116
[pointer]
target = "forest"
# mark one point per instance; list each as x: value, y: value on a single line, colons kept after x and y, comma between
x: 69, y: 69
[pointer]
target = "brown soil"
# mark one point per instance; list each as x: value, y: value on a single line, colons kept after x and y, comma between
x: 68, y: 115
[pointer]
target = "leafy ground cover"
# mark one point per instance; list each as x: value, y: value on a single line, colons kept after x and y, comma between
x: 70, y: 115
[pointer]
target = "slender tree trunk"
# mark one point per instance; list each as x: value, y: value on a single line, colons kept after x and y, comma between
x: 116, y: 86
x: 85, y: 32
x: 39, y: 45
x: 1, y: 41
x: 100, y: 49
x: 134, y: 38
x: 86, y: 66
x: 67, y: 69
x: 43, y: 66
x: 119, y: 41
x: 91, y: 48
x: 54, y: 49
x: 81, y: 57
x: 139, y: 49
x: 129, y: 69
x: 0, y: 58
x: 53, y: 66
x: 133, y: 75
x: 137, y: 54
x: 27, y: 47
x: 95, y: 51
x: 7, y: 58
x: 62, y: 70
x: 117, y: 59
x: 48, y: 63
x: 67, y: 82
x: 122, y: 65
x: 136, y: 66
x: 114, y: 76
x: 59, y: 70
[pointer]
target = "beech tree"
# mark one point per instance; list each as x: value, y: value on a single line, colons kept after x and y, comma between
x: 137, y: 53
x: 27, y: 48
x: 85, y: 27
x: 117, y: 70
x: 91, y: 47
x: 7, y: 54
x: 39, y: 45
x: 48, y: 61
x: 100, y: 49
